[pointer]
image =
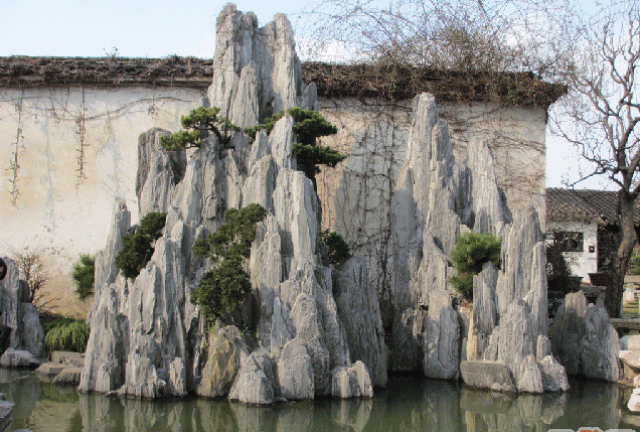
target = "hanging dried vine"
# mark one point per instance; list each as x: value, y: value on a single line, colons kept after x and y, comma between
x: 14, y: 162
x: 81, y: 132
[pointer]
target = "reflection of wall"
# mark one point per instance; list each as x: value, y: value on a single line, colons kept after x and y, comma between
x: 76, y: 151
x: 584, y: 262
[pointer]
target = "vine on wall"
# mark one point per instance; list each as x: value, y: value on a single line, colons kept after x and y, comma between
x: 58, y: 105
x: 81, y: 132
x: 14, y: 162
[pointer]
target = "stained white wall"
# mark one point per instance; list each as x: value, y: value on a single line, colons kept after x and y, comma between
x: 62, y: 208
x: 585, y: 262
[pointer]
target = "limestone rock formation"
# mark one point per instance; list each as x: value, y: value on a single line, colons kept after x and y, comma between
x: 148, y: 340
x: 19, y: 315
x: 312, y: 330
x: 352, y: 381
x: 584, y: 340
x: 256, y: 381
x: 359, y: 311
x: 19, y: 359
x: 6, y: 411
x: 509, y: 323
x: 295, y: 372
x: 227, y: 352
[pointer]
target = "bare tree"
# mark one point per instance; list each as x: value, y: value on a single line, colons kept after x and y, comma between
x: 601, y: 115
x: 33, y: 272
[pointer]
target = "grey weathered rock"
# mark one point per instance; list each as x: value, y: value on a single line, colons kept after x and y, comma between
x: 18, y: 314
x: 256, y: 381
x: 487, y: 374
x: 510, y: 322
x: 6, y: 411
x: 108, y: 344
x: 441, y: 341
x: 227, y: 352
x: 554, y: 375
x: 106, y: 270
x: 149, y: 143
x: 295, y: 372
x: 517, y: 338
x: 359, y: 311
x: 19, y: 358
x: 584, y: 340
x: 490, y: 209
x: 529, y: 377
x: 524, y: 271
x: 351, y: 381
x: 68, y: 376
x: 68, y: 358
x: 485, y: 314
x: 634, y: 401
x: 50, y: 368
x: 157, y: 331
x: 268, y: 54
x: 630, y: 342
x: 631, y: 358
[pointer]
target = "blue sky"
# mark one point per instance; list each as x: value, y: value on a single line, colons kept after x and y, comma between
x: 89, y: 28
x: 159, y: 28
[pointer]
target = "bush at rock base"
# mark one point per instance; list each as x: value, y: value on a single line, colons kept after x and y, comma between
x: 337, y: 248
x: 83, y: 276
x: 471, y: 252
x: 66, y: 334
x: 223, y: 289
x: 137, y: 248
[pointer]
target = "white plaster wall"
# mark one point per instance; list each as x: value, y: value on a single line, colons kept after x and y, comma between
x: 585, y: 262
x: 58, y: 210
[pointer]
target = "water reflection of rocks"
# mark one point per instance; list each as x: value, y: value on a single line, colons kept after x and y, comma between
x: 408, y: 404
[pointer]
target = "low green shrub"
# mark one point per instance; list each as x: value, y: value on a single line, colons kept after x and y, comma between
x: 68, y: 335
x: 471, y: 252
x: 223, y: 289
x: 83, y: 276
x: 137, y: 248
x: 337, y: 248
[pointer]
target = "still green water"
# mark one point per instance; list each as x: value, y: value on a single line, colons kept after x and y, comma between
x: 408, y: 404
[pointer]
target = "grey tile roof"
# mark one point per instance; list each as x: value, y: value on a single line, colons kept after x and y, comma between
x: 584, y: 206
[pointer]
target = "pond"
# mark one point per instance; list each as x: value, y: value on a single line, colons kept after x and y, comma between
x: 408, y: 404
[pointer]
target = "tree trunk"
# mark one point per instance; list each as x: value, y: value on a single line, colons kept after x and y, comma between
x: 628, y: 240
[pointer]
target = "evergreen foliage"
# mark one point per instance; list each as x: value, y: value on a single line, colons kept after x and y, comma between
x: 268, y: 125
x: 338, y: 249
x: 471, y: 252
x: 67, y: 335
x: 137, y: 248
x: 83, y: 275
x: 308, y: 125
x: 199, y: 121
x: 224, y: 288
